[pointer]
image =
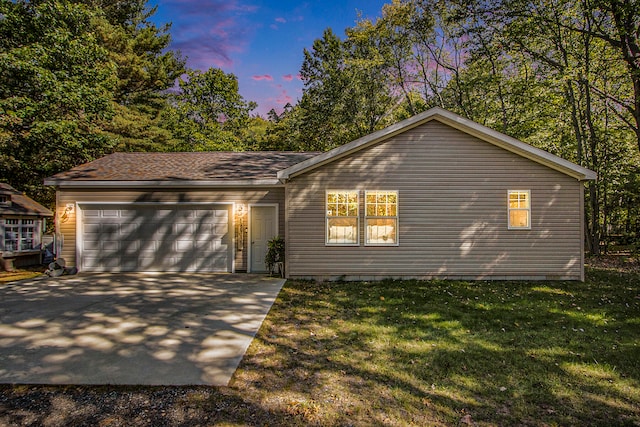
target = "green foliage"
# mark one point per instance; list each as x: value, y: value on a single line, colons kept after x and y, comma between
x: 208, y: 113
x: 146, y: 69
x: 345, y: 94
x: 79, y: 79
x: 282, y: 132
x: 57, y: 85
x: 275, y: 252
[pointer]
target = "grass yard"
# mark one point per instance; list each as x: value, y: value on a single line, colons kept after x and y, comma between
x: 20, y: 274
x: 403, y: 353
x: 429, y: 353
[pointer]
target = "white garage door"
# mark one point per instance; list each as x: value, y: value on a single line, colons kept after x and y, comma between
x: 156, y: 238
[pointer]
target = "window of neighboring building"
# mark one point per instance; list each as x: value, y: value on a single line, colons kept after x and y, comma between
x: 519, y: 209
x: 342, y: 217
x: 20, y: 235
x: 381, y: 218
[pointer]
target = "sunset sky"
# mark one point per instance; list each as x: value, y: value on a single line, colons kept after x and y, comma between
x: 260, y: 41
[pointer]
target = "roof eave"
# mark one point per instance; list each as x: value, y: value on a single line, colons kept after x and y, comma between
x: 62, y: 183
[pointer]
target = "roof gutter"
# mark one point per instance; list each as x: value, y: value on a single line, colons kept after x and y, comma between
x: 62, y: 183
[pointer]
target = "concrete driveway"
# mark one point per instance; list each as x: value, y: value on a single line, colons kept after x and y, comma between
x: 152, y: 329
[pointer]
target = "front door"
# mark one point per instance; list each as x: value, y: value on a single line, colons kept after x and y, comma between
x: 262, y: 228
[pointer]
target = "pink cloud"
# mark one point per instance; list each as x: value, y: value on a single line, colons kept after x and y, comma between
x: 281, y: 20
x: 287, y: 77
x: 266, y: 77
x: 299, y: 77
x: 284, y: 98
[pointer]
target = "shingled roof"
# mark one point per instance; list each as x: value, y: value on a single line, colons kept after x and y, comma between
x: 18, y: 204
x: 224, y: 168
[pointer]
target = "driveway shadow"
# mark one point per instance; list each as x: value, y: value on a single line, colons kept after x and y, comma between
x: 151, y: 329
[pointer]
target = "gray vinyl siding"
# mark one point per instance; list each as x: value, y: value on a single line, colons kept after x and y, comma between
x: 258, y: 195
x: 452, y: 213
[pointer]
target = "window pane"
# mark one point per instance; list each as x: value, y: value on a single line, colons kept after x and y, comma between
x: 519, y: 218
x: 331, y: 198
x: 392, y: 198
x: 342, y: 230
x: 519, y: 199
x: 371, y: 210
x: 353, y: 209
x: 382, y: 231
x: 11, y: 238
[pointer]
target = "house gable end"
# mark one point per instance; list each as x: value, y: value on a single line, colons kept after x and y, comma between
x: 453, y: 120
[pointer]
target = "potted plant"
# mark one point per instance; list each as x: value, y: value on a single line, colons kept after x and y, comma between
x: 275, y: 255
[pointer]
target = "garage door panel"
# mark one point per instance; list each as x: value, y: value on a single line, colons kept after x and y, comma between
x: 91, y: 228
x: 92, y: 245
x: 155, y: 238
x: 110, y: 245
x: 110, y: 213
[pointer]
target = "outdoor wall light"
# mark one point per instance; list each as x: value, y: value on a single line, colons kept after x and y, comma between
x: 69, y: 209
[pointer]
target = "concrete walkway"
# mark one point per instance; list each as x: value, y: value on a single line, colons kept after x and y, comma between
x: 152, y: 329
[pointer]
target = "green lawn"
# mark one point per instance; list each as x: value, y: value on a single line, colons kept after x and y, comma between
x: 425, y: 353
x: 401, y: 353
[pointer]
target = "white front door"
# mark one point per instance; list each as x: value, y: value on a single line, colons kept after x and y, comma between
x: 262, y: 228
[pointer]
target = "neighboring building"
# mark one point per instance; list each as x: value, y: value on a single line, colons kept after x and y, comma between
x: 433, y: 196
x: 22, y: 222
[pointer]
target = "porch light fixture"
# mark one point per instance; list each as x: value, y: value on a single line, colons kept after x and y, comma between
x: 69, y: 209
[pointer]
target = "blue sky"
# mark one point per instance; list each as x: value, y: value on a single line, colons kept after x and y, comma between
x: 260, y: 41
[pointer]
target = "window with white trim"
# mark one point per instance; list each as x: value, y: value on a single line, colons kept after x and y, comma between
x: 381, y: 218
x: 20, y: 235
x: 519, y: 214
x: 342, y: 217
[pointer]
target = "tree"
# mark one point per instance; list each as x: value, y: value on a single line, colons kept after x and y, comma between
x: 79, y: 79
x: 346, y: 93
x: 56, y: 84
x: 208, y: 113
x: 146, y: 70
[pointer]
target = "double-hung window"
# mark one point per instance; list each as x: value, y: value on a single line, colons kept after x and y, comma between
x: 342, y: 217
x: 381, y: 217
x: 19, y: 235
x: 519, y: 209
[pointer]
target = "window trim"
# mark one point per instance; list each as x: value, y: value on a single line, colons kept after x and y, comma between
x: 22, y: 225
x: 327, y: 217
x: 396, y: 218
x: 527, y: 209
